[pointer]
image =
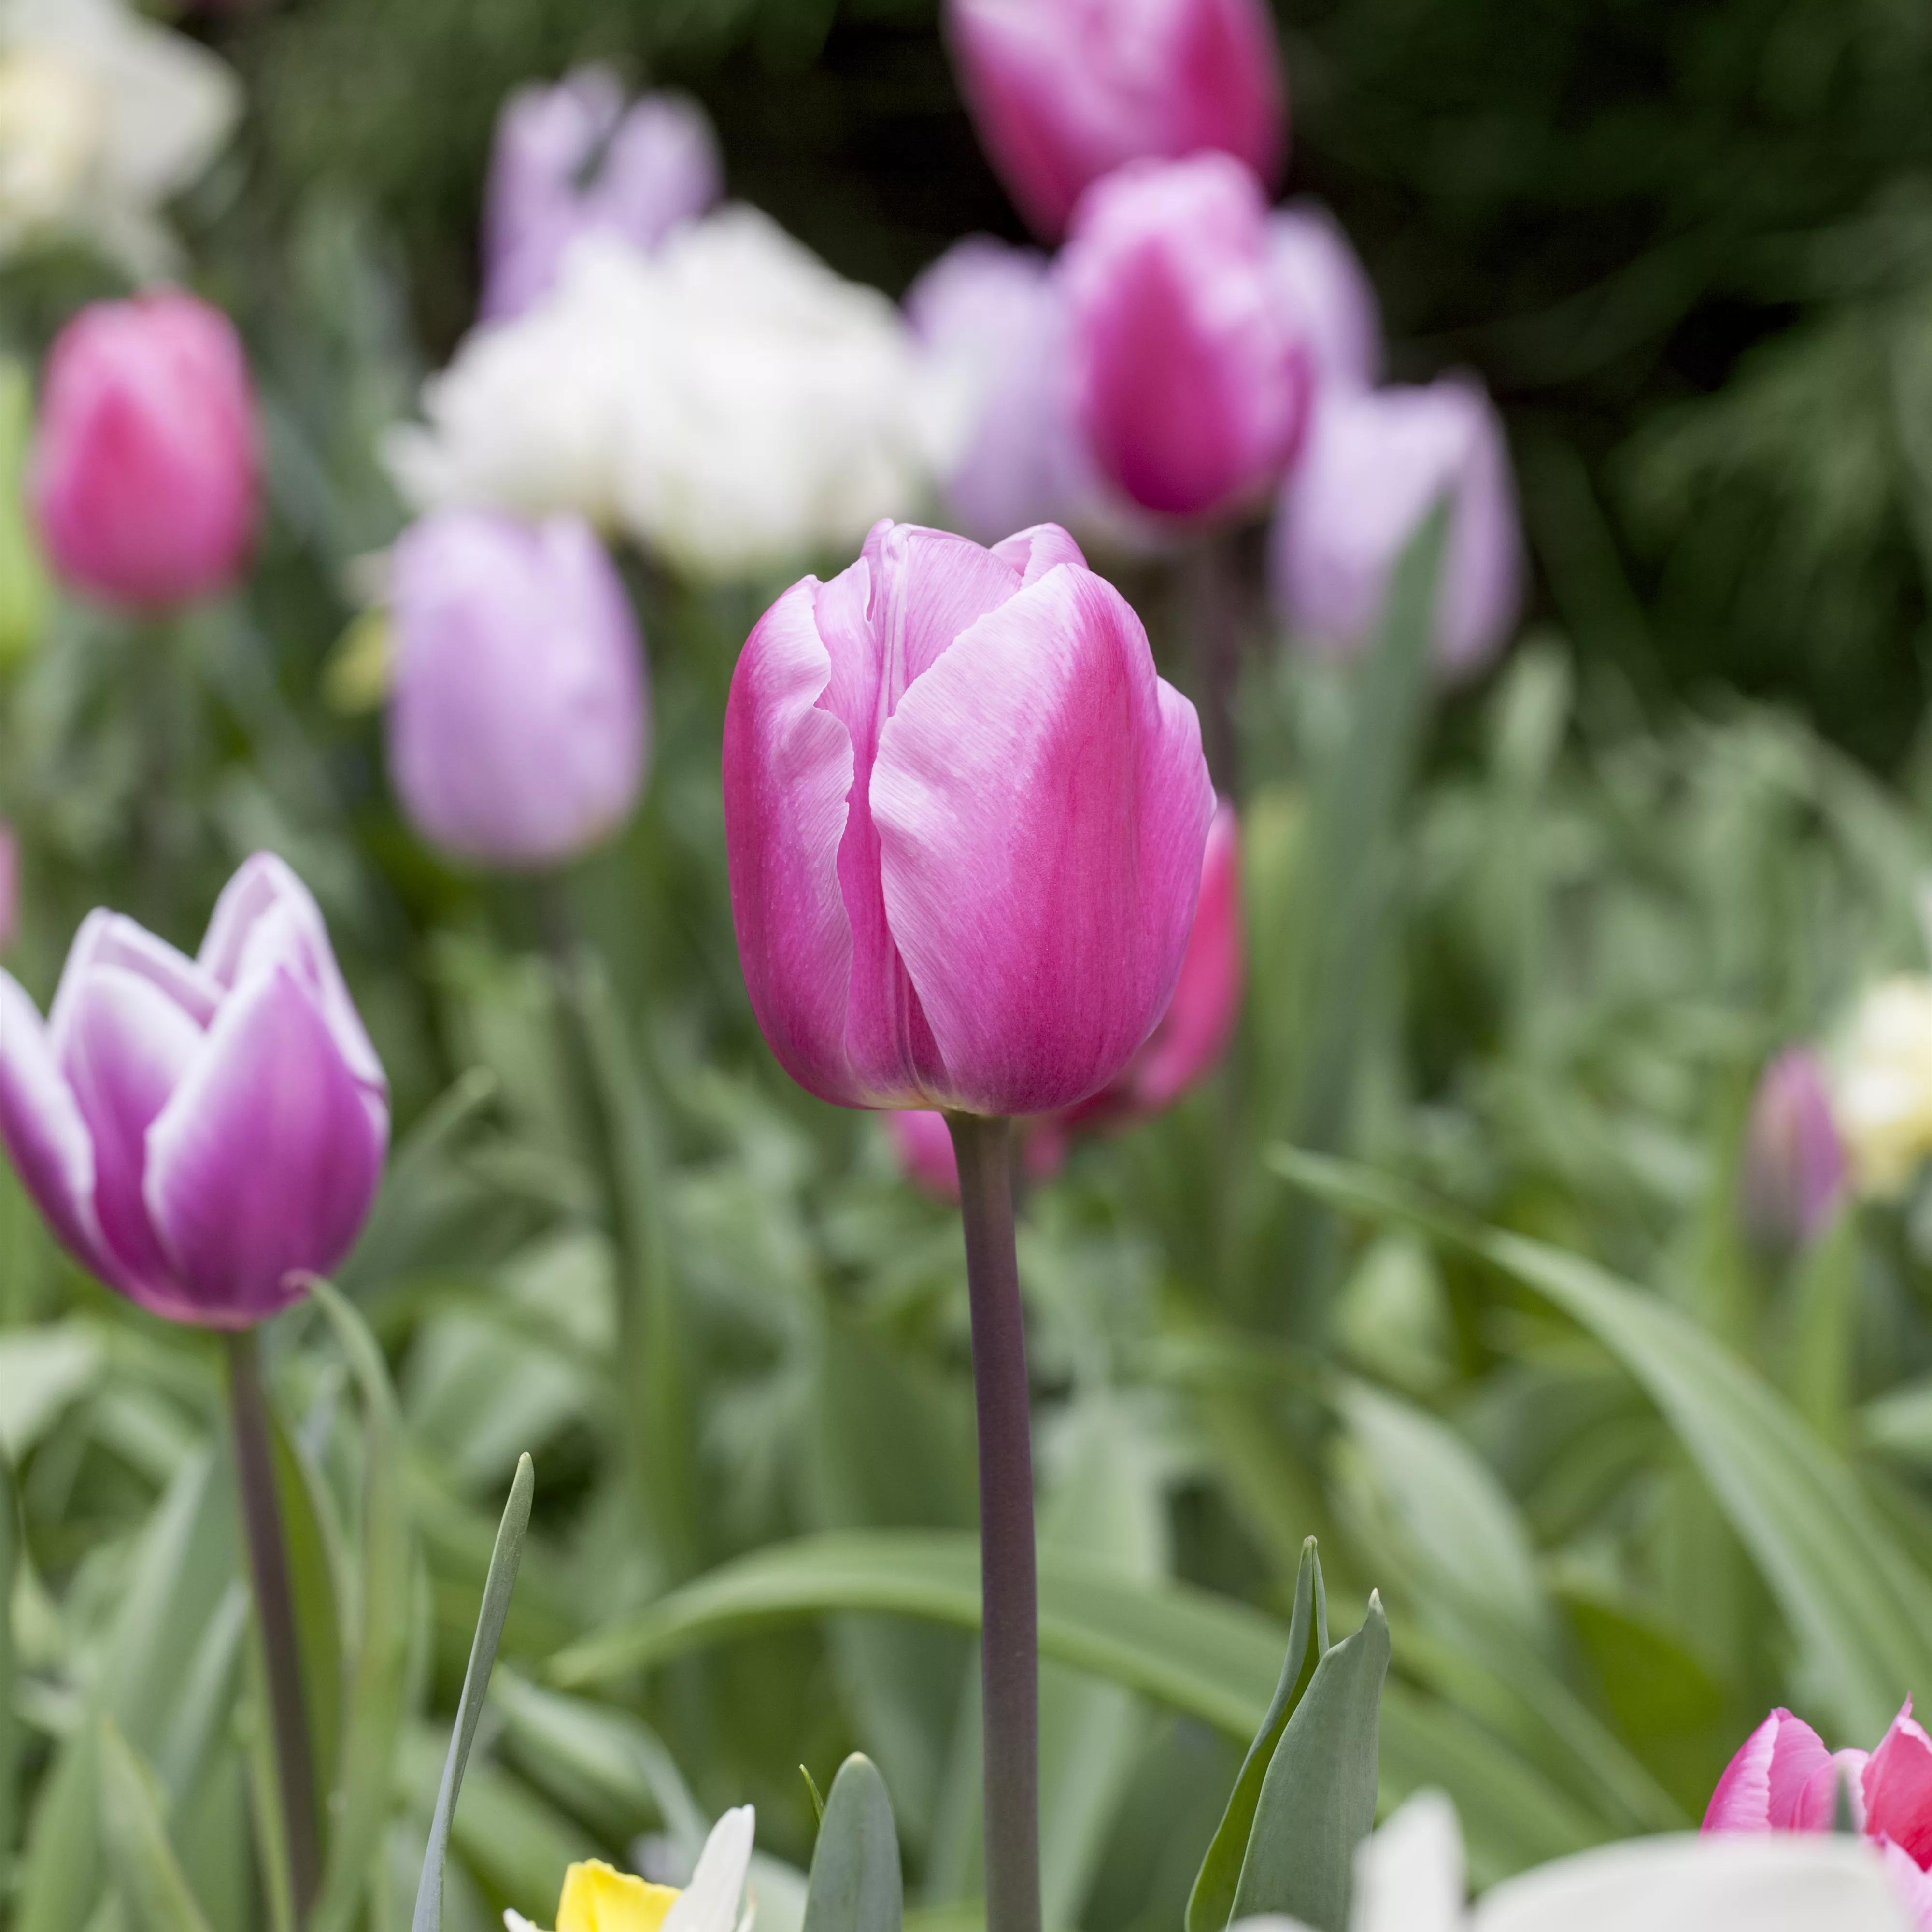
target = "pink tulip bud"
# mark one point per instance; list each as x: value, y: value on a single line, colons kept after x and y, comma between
x: 199, y: 1133
x: 10, y: 886
x: 1374, y: 464
x: 142, y: 477
x: 573, y: 160
x: 923, y: 1142
x: 1063, y: 92
x: 1794, y: 1175
x: 519, y: 713
x: 964, y: 818
x: 1328, y: 291
x: 1191, y: 376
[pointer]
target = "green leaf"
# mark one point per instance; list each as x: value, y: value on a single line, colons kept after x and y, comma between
x: 856, y: 1885
x: 502, y: 1580
x: 1850, y: 1592
x: 148, y: 1875
x: 359, y: 1802
x: 1211, y: 1904
x: 1317, y: 1801
x: 812, y: 1791
x: 9, y: 1726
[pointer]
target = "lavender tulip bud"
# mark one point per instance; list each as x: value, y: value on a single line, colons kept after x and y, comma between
x: 572, y: 160
x: 1328, y: 291
x: 519, y: 711
x: 201, y: 1133
x: 1794, y: 1170
x: 1375, y: 463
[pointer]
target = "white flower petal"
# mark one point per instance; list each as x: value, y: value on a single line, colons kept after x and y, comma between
x: 709, y: 1904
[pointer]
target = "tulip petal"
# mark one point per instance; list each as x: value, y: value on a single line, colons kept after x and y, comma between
x: 1913, y: 1886
x: 709, y: 1903
x: 45, y: 1136
x: 1762, y: 1785
x: 1898, y: 1785
x: 1409, y: 1873
x: 1033, y: 552
x: 1042, y: 805
x: 110, y: 939
x: 266, y: 1159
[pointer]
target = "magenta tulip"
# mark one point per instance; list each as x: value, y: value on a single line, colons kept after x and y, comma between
x: 143, y: 478
x: 574, y: 160
x: 200, y: 1133
x: 1794, y: 1177
x: 10, y: 885
x: 1063, y: 92
x: 519, y: 712
x: 1321, y: 280
x: 964, y: 818
x: 1374, y: 464
x: 1191, y: 374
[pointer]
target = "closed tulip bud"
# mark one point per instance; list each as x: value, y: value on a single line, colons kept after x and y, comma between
x: 201, y: 1133
x: 1328, y: 291
x: 964, y: 818
x: 519, y: 712
x: 10, y: 886
x: 143, y: 473
x: 1374, y: 464
x: 1191, y: 376
x: 1793, y: 1178
x: 1063, y: 92
x: 574, y: 160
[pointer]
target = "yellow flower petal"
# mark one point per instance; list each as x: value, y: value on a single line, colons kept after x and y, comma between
x: 598, y: 1898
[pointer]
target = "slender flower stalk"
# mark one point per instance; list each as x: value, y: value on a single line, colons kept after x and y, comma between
x: 275, y: 1614
x: 1009, y: 1632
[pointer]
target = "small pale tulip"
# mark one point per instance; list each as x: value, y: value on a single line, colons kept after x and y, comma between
x: 201, y: 1133
x: 1793, y: 1178
x: 143, y: 478
x: 1063, y: 92
x: 1375, y: 463
x: 1881, y: 1091
x: 519, y: 718
x: 965, y: 819
x: 574, y: 160
x: 1192, y: 376
x: 1328, y: 291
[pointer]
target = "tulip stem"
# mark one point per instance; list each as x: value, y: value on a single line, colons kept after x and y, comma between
x: 275, y: 1613
x: 1009, y: 1621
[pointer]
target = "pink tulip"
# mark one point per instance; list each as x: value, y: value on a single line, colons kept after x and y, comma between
x: 1783, y: 1779
x: 964, y: 818
x: 1191, y: 374
x: 10, y: 885
x: 1321, y: 280
x: 1063, y: 92
x: 1374, y: 464
x: 519, y: 714
x: 573, y: 160
x: 143, y: 478
x: 199, y: 1133
x: 1794, y: 1175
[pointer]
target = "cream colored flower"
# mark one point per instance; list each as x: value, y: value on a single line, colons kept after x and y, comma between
x: 597, y: 1898
x: 1882, y: 1085
x: 103, y: 117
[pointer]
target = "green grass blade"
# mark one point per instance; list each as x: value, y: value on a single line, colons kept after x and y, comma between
x: 154, y: 1892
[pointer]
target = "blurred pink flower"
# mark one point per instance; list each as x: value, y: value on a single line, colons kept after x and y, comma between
x: 1063, y: 92
x: 10, y: 885
x: 1795, y: 1173
x: 1190, y: 369
x: 1328, y: 291
x: 142, y: 477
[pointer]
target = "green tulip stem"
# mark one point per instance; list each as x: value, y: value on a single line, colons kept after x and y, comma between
x: 1010, y: 1620
x: 275, y: 1612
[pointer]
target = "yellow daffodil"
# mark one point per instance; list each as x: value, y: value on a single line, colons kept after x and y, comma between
x: 598, y: 1897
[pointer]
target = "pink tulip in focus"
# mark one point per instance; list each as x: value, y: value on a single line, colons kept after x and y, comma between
x: 1321, y: 280
x: 1794, y: 1171
x: 1063, y: 92
x: 10, y: 885
x: 964, y: 818
x: 574, y: 160
x: 199, y: 1133
x: 1375, y: 463
x: 519, y: 712
x: 1192, y: 376
x: 143, y: 478
x: 1783, y: 1779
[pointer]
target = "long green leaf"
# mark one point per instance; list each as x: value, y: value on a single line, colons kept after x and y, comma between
x: 10, y: 1730
x: 153, y: 1890
x: 856, y: 1884
x: 1318, y: 1802
x: 1211, y: 1903
x: 501, y: 1581
x: 1851, y: 1593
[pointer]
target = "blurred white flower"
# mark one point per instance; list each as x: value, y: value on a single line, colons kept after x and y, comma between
x: 1882, y: 1089
x: 103, y: 117
x: 727, y: 400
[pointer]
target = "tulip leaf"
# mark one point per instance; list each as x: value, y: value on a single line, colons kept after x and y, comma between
x: 1850, y: 1591
x: 1317, y: 1801
x: 856, y: 1884
x: 497, y: 1586
x: 154, y: 1891
x: 1211, y: 1904
x: 10, y: 1744
x: 359, y: 1802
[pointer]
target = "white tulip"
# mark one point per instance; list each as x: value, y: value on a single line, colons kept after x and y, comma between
x: 103, y: 117
x: 1882, y: 1085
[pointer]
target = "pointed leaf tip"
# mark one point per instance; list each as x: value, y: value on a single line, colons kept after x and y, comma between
x: 856, y: 1883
